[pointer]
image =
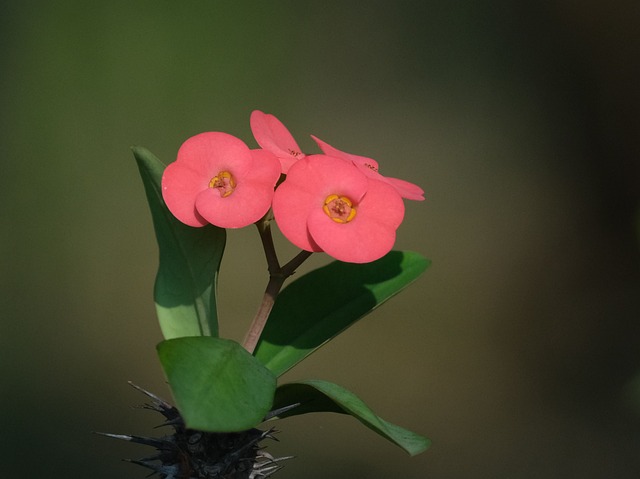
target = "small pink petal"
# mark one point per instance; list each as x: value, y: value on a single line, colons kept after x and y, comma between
x: 369, y: 167
x: 407, y: 190
x: 353, y: 242
x: 265, y: 167
x: 290, y: 209
x: 274, y: 137
x: 214, y: 152
x: 246, y: 205
x: 180, y: 186
x: 368, y: 163
x: 327, y: 175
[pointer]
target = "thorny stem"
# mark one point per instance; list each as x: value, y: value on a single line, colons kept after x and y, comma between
x: 277, y: 277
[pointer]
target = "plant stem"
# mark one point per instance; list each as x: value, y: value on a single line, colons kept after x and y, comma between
x: 264, y: 228
x: 257, y: 325
x: 277, y: 277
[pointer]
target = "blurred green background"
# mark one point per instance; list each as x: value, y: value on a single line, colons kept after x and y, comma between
x: 517, y: 353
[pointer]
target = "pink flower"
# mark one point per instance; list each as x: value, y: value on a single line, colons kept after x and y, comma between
x: 274, y: 137
x: 217, y: 179
x: 327, y: 204
x: 370, y: 168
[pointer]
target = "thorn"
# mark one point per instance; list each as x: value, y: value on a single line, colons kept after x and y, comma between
x: 270, y: 434
x: 115, y: 436
x: 275, y: 459
x: 160, y: 405
x: 157, y: 399
x: 159, y: 443
x: 277, y: 412
x: 178, y: 421
x: 265, y: 454
x: 157, y: 457
x: 269, y: 466
x: 264, y: 472
x: 169, y: 471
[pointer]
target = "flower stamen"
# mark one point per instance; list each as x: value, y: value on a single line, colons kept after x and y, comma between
x: 339, y: 208
x: 224, y: 183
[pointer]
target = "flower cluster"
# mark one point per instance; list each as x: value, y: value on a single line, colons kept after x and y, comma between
x: 333, y: 202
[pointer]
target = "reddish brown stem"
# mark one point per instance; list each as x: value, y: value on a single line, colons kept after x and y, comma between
x: 277, y: 277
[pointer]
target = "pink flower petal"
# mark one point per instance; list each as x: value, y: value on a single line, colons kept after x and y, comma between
x: 180, y: 186
x: 274, y: 137
x: 265, y: 167
x: 369, y: 167
x: 327, y: 175
x: 250, y: 202
x: 291, y: 209
x: 407, y: 190
x: 214, y: 152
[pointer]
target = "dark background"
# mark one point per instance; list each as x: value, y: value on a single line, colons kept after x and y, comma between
x: 517, y: 353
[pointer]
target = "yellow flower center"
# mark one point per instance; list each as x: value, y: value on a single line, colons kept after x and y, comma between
x: 224, y: 183
x: 339, y: 208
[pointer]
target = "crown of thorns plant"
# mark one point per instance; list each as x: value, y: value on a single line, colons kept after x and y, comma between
x: 333, y: 202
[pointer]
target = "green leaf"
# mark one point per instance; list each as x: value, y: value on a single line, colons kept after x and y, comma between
x: 217, y: 385
x: 323, y: 303
x: 185, y: 288
x: 321, y: 396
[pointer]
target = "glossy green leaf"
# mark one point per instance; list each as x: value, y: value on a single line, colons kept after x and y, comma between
x: 323, y: 303
x: 185, y: 287
x: 321, y: 396
x: 216, y: 384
